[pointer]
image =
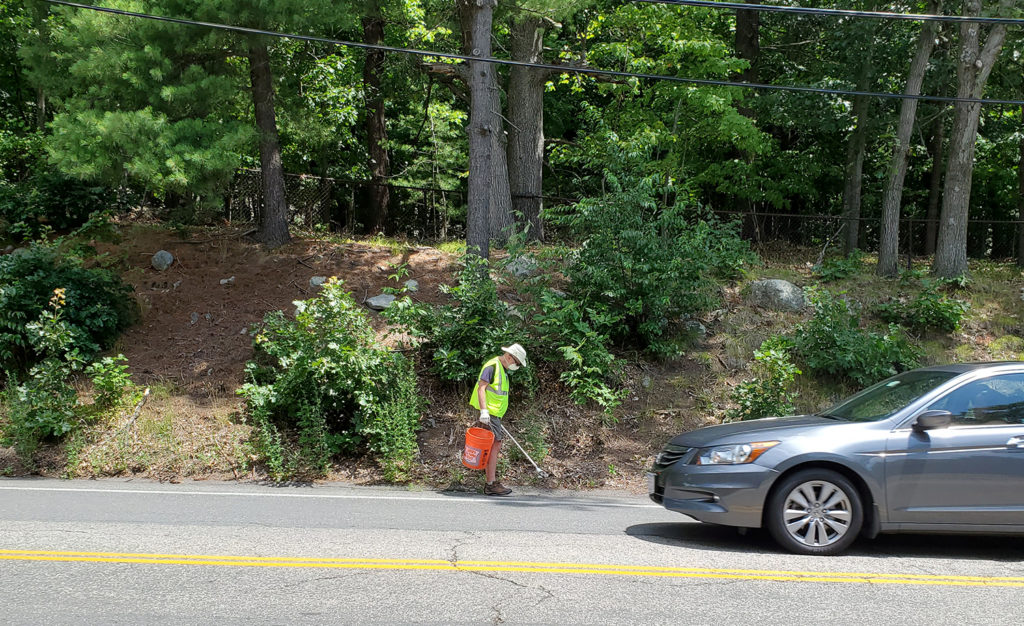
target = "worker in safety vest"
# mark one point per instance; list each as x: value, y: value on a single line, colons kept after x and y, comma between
x: 490, y: 397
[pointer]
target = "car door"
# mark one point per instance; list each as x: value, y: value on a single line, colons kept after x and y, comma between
x: 969, y: 473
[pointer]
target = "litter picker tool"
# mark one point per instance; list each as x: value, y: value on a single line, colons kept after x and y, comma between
x: 540, y: 472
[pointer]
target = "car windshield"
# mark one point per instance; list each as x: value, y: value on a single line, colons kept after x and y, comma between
x: 882, y: 400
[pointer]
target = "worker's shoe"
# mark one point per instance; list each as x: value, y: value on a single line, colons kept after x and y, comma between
x: 496, y: 489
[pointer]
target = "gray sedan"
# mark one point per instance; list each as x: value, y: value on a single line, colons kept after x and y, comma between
x: 938, y: 449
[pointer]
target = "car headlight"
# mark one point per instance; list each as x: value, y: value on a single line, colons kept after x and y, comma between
x: 735, y: 454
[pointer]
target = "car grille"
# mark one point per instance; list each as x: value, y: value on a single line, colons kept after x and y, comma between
x: 670, y: 455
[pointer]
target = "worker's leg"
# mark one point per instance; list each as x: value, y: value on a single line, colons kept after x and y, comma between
x: 492, y: 462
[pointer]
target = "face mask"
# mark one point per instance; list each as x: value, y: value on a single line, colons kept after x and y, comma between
x: 512, y: 367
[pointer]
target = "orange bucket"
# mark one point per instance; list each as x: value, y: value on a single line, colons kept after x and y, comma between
x: 478, y: 448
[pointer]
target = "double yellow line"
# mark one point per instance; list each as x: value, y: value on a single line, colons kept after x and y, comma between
x: 510, y: 566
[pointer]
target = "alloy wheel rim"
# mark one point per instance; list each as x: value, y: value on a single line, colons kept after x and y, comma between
x: 817, y: 513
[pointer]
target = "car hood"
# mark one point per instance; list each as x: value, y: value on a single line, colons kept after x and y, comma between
x: 753, y: 430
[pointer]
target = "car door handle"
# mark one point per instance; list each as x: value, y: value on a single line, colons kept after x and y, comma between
x: 1016, y: 443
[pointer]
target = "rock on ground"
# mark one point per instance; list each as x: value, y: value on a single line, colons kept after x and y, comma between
x: 381, y: 302
x: 162, y: 260
x: 776, y: 294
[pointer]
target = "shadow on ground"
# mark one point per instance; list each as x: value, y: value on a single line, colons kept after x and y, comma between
x: 726, y: 539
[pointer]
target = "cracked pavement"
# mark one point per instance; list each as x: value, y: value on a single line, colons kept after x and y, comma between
x: 231, y: 553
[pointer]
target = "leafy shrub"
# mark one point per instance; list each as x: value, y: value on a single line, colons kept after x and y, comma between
x: 457, y: 336
x: 51, y: 199
x: 44, y: 405
x: 838, y: 268
x: 646, y: 264
x: 110, y: 379
x: 99, y: 304
x: 930, y: 309
x: 832, y: 342
x: 324, y: 377
x: 564, y: 332
x: 767, y: 394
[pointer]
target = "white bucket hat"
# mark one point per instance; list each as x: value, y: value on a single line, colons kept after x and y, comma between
x: 518, y: 352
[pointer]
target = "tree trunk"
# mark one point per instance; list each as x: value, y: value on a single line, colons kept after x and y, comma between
x: 499, y: 221
x: 855, y: 162
x: 935, y: 145
x: 888, y: 252
x: 748, y: 41
x: 274, y: 218
x: 476, y: 18
x: 526, y: 125
x: 1020, y: 199
x: 972, y: 73
x: 376, y: 123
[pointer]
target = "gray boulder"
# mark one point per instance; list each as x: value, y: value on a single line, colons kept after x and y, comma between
x: 381, y: 302
x: 162, y: 260
x: 523, y: 266
x: 412, y: 286
x: 317, y: 281
x: 777, y: 295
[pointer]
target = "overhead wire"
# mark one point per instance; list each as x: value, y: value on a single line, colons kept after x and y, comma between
x: 569, y: 69
x: 885, y: 15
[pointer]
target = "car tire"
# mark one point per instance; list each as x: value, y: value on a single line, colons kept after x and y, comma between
x: 815, y: 511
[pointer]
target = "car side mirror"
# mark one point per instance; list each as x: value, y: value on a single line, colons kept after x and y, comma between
x: 931, y: 420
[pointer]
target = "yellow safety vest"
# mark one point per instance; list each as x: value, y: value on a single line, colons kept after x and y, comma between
x: 496, y: 393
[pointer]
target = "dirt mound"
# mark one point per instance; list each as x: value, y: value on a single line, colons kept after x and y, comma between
x: 196, y: 315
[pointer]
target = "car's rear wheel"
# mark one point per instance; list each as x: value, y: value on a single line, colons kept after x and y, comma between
x: 815, y: 511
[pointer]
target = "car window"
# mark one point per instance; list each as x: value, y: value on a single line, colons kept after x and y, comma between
x: 990, y: 402
x: 887, y: 397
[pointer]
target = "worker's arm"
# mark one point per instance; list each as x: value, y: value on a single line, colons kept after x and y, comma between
x: 481, y: 396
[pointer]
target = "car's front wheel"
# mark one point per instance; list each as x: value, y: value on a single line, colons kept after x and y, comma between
x: 815, y: 511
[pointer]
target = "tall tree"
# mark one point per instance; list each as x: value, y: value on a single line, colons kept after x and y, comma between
x: 854, y: 170
x: 376, y: 125
x: 748, y: 41
x: 274, y: 218
x: 975, y: 66
x: 1020, y: 197
x: 477, y: 21
x: 526, y: 120
x: 888, y: 251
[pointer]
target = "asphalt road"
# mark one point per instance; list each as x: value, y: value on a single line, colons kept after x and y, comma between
x: 130, y: 552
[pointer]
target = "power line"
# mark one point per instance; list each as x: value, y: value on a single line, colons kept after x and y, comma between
x: 885, y: 15
x: 570, y: 69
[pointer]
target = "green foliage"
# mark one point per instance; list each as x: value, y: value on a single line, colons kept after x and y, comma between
x: 832, y: 342
x: 577, y: 339
x: 44, y: 405
x: 457, y: 336
x: 99, y: 304
x: 324, y: 377
x: 928, y: 310
x: 646, y: 264
x: 50, y: 199
x: 831, y: 270
x: 110, y: 379
x: 768, y: 394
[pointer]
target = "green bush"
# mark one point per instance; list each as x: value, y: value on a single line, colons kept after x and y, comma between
x: 324, y: 377
x: 110, y: 379
x: 832, y: 342
x: 834, y: 269
x: 99, y: 304
x: 457, y: 336
x: 646, y: 264
x: 768, y: 394
x: 576, y: 339
x: 50, y: 199
x: 43, y: 406
x: 929, y: 310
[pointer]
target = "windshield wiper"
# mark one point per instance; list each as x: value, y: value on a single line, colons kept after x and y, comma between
x: 832, y: 417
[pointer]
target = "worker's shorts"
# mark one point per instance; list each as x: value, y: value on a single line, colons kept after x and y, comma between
x: 499, y: 432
